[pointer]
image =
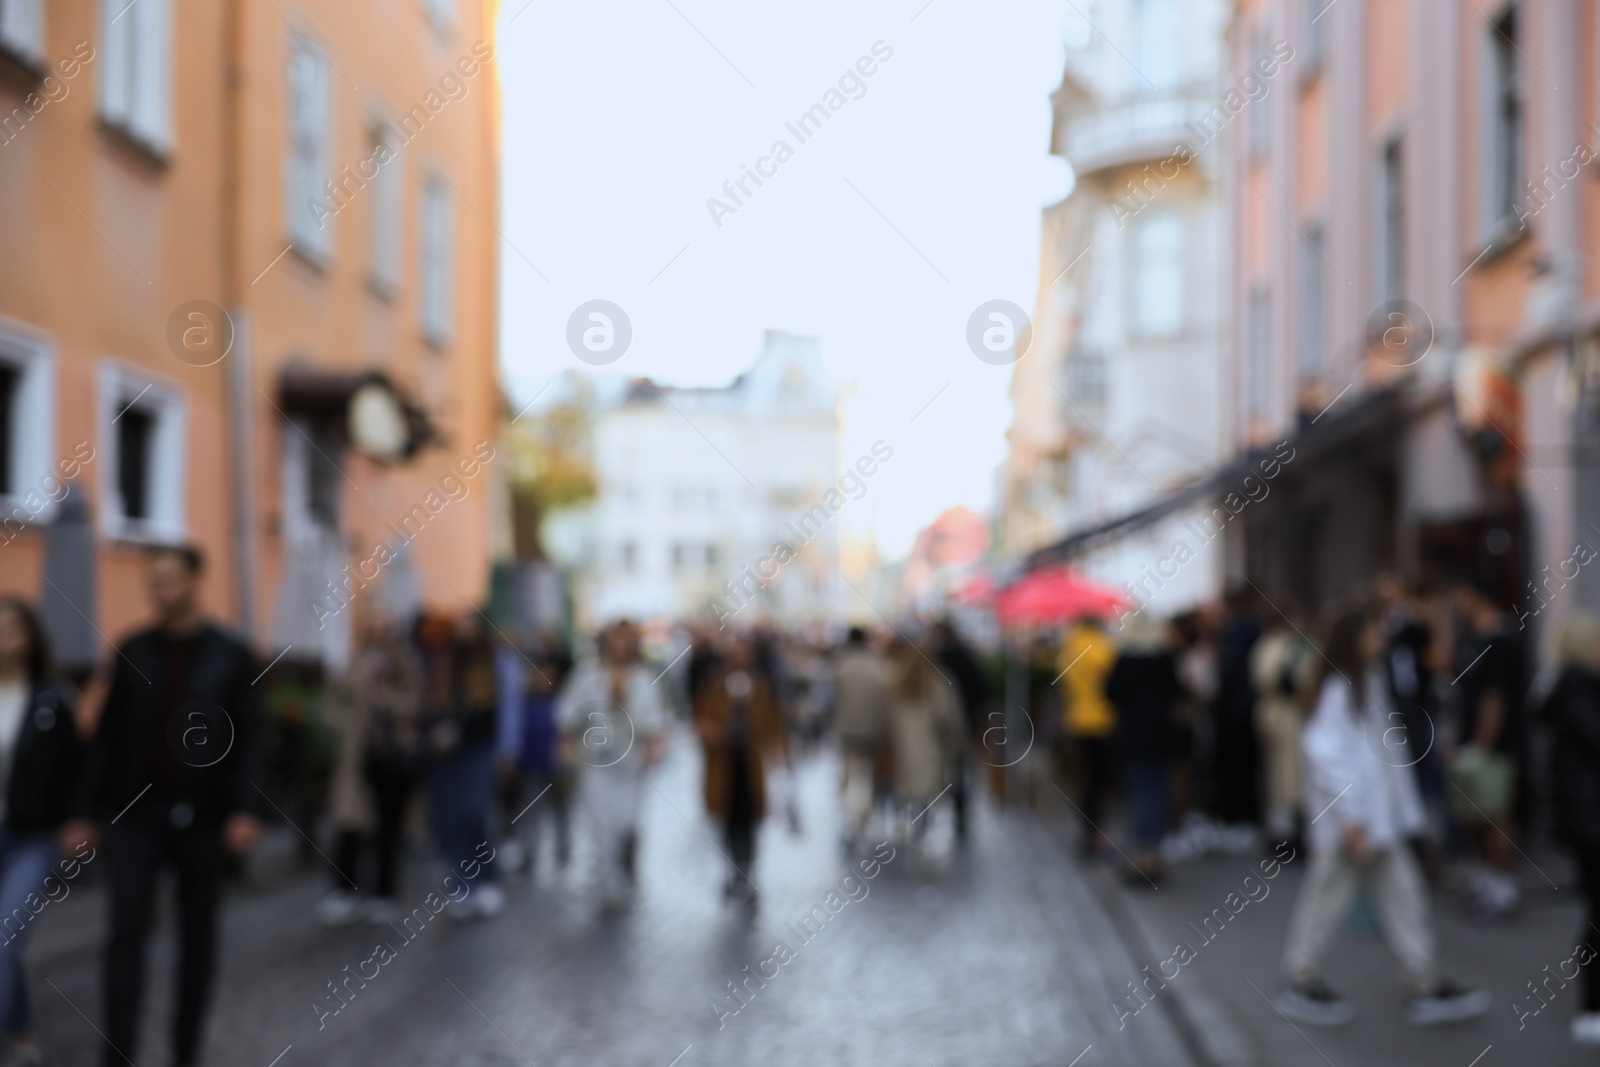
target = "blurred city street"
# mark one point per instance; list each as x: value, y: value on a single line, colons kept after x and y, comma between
x: 914, y: 534
x: 997, y: 954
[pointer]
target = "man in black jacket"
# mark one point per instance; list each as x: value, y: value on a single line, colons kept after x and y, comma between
x: 171, y: 776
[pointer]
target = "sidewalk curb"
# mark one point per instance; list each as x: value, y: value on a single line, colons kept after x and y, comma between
x: 1209, y: 1038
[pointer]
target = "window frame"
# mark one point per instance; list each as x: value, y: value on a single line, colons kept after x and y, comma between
x: 122, y: 385
x: 431, y: 301
x: 385, y: 213
x: 137, y: 72
x: 1138, y: 328
x: 32, y: 354
x: 1497, y: 203
x: 23, y: 33
x: 311, y: 238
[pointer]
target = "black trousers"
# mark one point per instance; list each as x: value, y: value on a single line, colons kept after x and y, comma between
x: 1235, y: 765
x: 1588, y: 857
x: 739, y: 829
x: 136, y: 852
x: 390, y: 789
x: 1099, y: 777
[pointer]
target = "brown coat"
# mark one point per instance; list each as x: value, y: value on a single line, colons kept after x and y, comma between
x: 769, y: 738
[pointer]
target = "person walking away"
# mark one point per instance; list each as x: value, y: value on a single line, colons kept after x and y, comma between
x: 1366, y: 808
x: 1417, y: 660
x: 169, y: 780
x: 1196, y: 653
x: 1236, y: 750
x: 611, y: 718
x: 40, y: 760
x: 374, y: 713
x: 925, y: 731
x: 957, y: 661
x: 536, y: 752
x: 860, y: 719
x: 742, y: 731
x: 1143, y: 688
x: 459, y: 726
x: 1281, y: 665
x: 1572, y: 710
x: 1491, y: 682
x: 1085, y: 661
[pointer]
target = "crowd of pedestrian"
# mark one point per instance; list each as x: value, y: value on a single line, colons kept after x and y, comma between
x: 1395, y: 741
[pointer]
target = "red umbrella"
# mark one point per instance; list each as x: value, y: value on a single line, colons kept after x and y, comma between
x: 1056, y: 595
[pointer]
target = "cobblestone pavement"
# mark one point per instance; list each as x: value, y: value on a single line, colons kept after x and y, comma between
x: 998, y: 954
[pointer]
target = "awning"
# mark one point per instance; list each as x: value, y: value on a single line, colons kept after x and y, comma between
x: 1343, y: 422
x: 362, y: 408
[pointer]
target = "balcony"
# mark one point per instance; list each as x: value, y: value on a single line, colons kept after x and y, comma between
x: 1137, y: 129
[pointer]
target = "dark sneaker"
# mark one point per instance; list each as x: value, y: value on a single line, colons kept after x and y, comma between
x: 1447, y: 1003
x: 1314, y: 1004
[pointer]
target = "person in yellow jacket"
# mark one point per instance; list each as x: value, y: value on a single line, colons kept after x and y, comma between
x: 1087, y: 655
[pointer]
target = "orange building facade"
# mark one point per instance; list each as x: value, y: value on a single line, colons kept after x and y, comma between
x: 1414, y: 208
x: 250, y: 300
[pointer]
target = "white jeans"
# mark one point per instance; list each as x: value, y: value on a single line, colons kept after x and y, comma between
x: 857, y: 789
x: 608, y: 800
x: 1398, y: 893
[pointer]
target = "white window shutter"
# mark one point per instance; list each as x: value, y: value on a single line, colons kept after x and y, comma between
x: 22, y: 28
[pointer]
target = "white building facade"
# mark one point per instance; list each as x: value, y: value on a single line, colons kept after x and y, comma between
x: 1132, y: 334
x: 714, y: 503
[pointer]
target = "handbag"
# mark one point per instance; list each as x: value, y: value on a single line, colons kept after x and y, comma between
x: 1484, y: 781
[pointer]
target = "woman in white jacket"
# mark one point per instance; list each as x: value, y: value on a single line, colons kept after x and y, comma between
x: 1361, y: 797
x: 611, y: 718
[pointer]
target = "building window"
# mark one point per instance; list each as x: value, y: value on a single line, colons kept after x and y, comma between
x: 309, y: 210
x: 136, y: 70
x: 1313, y: 306
x: 1157, y: 42
x: 22, y: 30
x: 1258, y: 355
x: 1391, y: 224
x: 435, y: 263
x: 28, y: 491
x: 1315, y: 37
x: 383, y: 215
x: 142, y: 433
x: 1086, y: 378
x: 1157, y: 275
x: 1259, y: 122
x: 1503, y: 170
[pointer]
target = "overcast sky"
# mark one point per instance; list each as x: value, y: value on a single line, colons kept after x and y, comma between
x: 914, y: 204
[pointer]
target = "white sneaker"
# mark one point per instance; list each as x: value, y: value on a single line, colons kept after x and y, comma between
x: 491, y: 900
x: 338, y: 908
x: 1586, y: 1028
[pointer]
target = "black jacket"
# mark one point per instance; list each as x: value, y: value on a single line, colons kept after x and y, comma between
x: 143, y: 741
x: 1144, y: 688
x: 1573, y: 708
x: 46, y: 762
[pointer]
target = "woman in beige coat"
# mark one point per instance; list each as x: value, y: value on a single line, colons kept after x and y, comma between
x: 925, y: 730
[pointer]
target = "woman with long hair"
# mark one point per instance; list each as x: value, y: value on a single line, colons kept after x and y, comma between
x: 40, y: 759
x: 925, y: 731
x: 460, y: 719
x: 1143, y: 687
x: 742, y: 730
x: 611, y: 717
x: 1364, y: 805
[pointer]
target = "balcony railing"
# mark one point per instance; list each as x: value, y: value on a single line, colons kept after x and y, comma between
x: 1143, y: 128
